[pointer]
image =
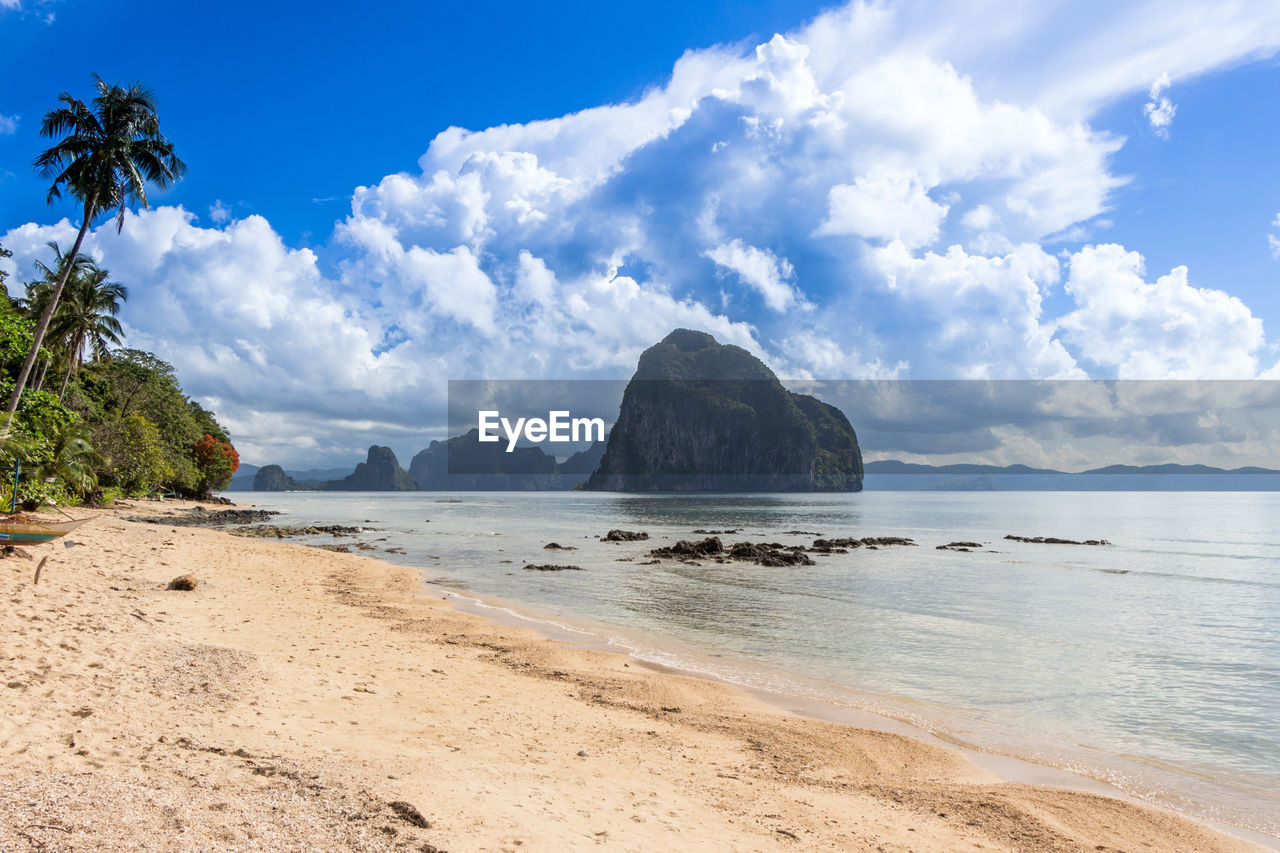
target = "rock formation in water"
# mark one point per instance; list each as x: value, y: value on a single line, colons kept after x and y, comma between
x: 381, y: 472
x: 272, y: 478
x: 703, y: 416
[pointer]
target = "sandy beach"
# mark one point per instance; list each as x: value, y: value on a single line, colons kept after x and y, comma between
x: 300, y: 699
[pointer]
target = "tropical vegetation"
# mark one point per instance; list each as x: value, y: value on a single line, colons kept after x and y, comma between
x: 88, y: 418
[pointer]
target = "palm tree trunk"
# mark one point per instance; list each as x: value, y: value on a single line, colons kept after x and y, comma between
x: 44, y: 369
x: 47, y: 314
x: 65, y: 378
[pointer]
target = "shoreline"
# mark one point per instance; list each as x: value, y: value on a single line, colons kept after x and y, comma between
x: 339, y: 684
x: 1010, y: 768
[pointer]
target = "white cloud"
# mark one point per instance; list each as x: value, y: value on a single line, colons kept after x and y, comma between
x: 760, y: 269
x: 219, y: 212
x: 8, y: 124
x: 979, y: 314
x: 885, y: 205
x: 1160, y: 109
x: 1166, y: 329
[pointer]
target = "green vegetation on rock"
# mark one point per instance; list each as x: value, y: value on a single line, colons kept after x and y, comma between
x: 703, y: 416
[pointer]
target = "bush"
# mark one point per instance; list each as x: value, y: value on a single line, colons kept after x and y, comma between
x: 133, y: 453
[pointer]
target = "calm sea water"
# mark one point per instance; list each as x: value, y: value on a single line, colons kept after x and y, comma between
x: 1153, y: 664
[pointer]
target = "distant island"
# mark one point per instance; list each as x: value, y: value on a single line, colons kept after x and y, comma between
x: 893, y: 475
x: 699, y: 415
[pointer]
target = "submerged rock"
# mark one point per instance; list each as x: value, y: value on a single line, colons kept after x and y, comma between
x: 960, y: 546
x: 272, y: 531
x: 624, y: 536
x: 865, y: 542
x: 547, y: 567
x: 762, y: 553
x: 1053, y: 540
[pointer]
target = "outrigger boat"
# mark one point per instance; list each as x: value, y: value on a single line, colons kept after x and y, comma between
x: 30, y: 530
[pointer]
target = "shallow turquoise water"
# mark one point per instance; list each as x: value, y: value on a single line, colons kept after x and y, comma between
x: 1153, y: 663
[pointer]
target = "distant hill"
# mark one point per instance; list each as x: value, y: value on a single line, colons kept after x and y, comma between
x: 243, y: 480
x: 464, y: 463
x: 893, y: 475
x: 381, y: 472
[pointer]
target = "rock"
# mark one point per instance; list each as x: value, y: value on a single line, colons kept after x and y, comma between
x: 582, y: 753
x: 341, y: 549
x: 409, y: 814
x: 272, y: 478
x: 556, y: 546
x: 702, y: 416
x: 272, y: 531
x: 1051, y: 540
x: 380, y: 472
x: 960, y: 546
x: 770, y: 554
x: 825, y: 545
x: 550, y: 568
x: 198, y: 517
x: 729, y: 532
x: 624, y: 536
x: 686, y: 550
x: 183, y: 583
x: 762, y: 553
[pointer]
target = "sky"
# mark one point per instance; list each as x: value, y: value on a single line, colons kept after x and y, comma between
x: 380, y: 202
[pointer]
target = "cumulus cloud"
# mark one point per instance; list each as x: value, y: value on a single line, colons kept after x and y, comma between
x: 1160, y: 109
x: 219, y: 212
x: 1156, y: 330
x: 760, y: 269
x: 8, y: 124
x: 884, y: 206
x: 982, y: 313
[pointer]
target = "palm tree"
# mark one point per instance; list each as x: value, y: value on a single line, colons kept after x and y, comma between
x: 71, y: 459
x: 86, y: 318
x: 40, y: 291
x: 105, y: 157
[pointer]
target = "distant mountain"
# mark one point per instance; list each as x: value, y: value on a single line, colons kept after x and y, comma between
x: 243, y: 479
x: 316, y: 476
x: 272, y: 478
x: 893, y: 466
x: 893, y: 475
x: 464, y: 463
x: 699, y: 415
x: 381, y: 472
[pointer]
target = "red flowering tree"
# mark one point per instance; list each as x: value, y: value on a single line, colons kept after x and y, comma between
x: 216, y: 462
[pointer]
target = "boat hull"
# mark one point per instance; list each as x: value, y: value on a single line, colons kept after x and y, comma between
x: 32, y: 531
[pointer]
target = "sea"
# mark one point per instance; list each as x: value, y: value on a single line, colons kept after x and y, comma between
x: 1150, y: 664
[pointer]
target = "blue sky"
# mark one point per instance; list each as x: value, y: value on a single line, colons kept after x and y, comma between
x: 850, y: 191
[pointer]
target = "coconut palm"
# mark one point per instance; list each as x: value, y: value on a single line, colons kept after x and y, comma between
x: 40, y: 291
x: 71, y: 459
x: 86, y: 319
x: 105, y: 156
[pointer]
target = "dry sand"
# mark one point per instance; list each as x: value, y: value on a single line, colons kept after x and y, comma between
x: 296, y: 694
